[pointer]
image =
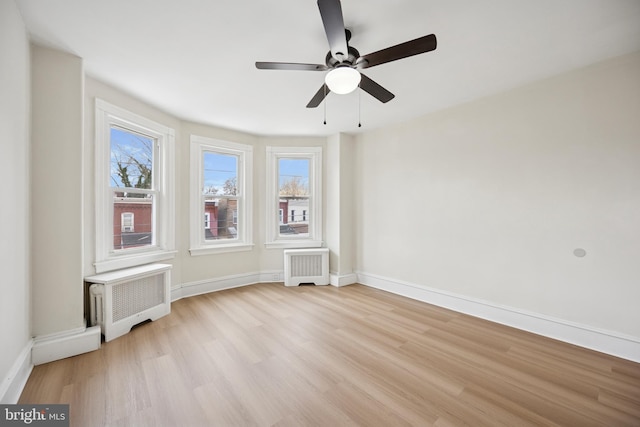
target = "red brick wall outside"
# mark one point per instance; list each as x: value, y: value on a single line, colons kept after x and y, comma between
x: 284, y: 205
x: 141, y: 210
x: 212, y: 210
x: 142, y: 224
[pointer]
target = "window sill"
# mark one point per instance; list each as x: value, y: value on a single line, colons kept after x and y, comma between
x: 125, y: 261
x: 219, y: 249
x: 286, y: 244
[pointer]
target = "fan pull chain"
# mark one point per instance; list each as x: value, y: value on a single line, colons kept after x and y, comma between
x: 325, y: 104
x: 359, y: 106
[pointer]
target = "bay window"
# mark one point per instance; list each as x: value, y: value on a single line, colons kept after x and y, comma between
x: 221, y: 191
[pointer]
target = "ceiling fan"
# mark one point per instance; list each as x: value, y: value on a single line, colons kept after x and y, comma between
x: 344, y: 61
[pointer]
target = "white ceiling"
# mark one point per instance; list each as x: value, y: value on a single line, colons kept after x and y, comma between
x: 195, y: 58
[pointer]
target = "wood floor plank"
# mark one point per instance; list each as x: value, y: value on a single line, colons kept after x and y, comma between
x: 268, y: 355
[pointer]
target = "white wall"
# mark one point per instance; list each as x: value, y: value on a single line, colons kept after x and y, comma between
x: 57, y: 200
x: 15, y: 311
x: 488, y: 200
x: 339, y: 207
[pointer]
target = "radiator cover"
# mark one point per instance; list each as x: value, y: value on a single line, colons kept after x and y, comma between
x: 121, y: 299
x: 306, y: 266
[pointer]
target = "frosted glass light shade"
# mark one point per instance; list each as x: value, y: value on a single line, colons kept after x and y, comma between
x: 342, y: 80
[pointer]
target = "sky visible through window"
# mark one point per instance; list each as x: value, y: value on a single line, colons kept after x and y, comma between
x: 289, y: 169
x: 219, y: 169
x: 131, y: 159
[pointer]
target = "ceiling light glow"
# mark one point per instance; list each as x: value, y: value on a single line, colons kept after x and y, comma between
x: 342, y: 80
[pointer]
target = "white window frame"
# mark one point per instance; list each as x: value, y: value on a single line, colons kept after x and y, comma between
x: 244, y: 240
x: 107, y: 259
x: 273, y: 237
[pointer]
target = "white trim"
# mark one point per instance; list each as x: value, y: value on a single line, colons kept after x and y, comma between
x: 48, y: 348
x: 14, y: 381
x: 271, y: 276
x: 293, y: 244
x: 200, y: 287
x: 133, y: 260
x: 129, y: 274
x: 613, y: 343
x: 218, y: 249
x: 344, y: 280
x: 212, y: 285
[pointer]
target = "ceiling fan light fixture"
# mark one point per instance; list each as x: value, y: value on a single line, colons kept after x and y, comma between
x: 342, y: 80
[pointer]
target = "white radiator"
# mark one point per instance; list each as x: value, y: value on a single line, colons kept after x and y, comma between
x: 306, y: 266
x: 121, y: 299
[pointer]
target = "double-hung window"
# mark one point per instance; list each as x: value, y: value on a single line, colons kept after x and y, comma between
x: 134, y: 189
x: 221, y: 178
x: 294, y: 197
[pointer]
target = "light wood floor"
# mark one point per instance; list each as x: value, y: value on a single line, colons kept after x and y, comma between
x: 322, y: 356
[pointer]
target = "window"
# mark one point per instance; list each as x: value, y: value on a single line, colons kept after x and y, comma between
x: 294, y: 176
x: 126, y: 219
x: 221, y: 192
x: 134, y: 182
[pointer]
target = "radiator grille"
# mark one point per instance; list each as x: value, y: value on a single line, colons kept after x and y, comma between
x: 306, y: 265
x: 136, y: 296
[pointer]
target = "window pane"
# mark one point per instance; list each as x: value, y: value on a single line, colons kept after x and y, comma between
x: 132, y: 223
x: 293, y: 183
x: 220, y: 218
x: 220, y: 174
x: 131, y: 159
x: 220, y: 198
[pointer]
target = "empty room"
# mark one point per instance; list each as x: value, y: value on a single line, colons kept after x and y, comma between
x: 320, y: 213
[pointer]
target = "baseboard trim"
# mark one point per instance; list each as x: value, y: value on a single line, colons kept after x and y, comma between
x: 15, y: 380
x: 613, y: 343
x: 48, y: 348
x: 200, y: 287
x: 344, y: 280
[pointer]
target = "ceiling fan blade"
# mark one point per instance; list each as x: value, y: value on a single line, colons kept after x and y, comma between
x: 318, y: 97
x: 399, y: 51
x: 331, y: 13
x: 290, y: 66
x: 375, y: 90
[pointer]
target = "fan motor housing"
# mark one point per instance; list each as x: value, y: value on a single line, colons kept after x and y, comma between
x: 351, y: 59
